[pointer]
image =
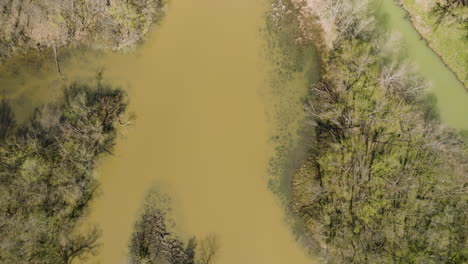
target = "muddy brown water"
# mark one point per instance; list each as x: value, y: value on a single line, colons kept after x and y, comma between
x: 199, y: 87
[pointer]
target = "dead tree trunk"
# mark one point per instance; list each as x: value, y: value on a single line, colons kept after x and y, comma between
x: 57, y: 63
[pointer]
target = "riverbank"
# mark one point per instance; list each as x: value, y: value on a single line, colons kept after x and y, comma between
x: 41, y: 26
x: 449, y: 94
x: 47, y: 173
x: 447, y: 39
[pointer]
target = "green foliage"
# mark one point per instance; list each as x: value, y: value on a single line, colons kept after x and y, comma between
x: 451, y: 10
x: 46, y: 176
x: 51, y: 24
x: 444, y: 24
x: 386, y: 183
x: 126, y: 15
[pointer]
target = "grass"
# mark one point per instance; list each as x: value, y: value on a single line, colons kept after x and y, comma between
x: 447, y: 39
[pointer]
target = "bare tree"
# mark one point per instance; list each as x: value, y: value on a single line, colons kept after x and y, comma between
x: 208, y: 249
x: 81, y: 246
x: 51, y: 24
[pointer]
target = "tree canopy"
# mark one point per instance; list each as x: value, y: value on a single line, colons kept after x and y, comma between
x: 385, y: 181
x: 40, y: 24
x: 153, y: 240
x: 46, y: 173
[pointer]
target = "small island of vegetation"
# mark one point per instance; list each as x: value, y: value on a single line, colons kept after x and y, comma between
x: 153, y: 240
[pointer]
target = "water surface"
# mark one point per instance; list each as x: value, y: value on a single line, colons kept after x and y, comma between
x: 451, y: 95
x: 200, y: 91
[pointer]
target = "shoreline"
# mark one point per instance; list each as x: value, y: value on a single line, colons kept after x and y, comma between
x: 410, y: 17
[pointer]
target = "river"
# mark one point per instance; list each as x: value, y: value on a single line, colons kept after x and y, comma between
x: 199, y: 87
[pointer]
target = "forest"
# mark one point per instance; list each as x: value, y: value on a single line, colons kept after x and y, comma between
x: 47, y: 179
x: 385, y: 181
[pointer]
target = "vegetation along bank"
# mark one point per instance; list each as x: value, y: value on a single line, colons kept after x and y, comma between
x: 47, y: 162
x: 51, y: 24
x: 385, y: 181
x: 46, y: 178
x: 444, y: 24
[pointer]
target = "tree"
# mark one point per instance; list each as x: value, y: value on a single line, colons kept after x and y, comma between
x: 453, y: 11
x: 384, y: 183
x: 52, y: 24
x: 209, y: 249
x: 46, y: 174
x: 152, y: 242
x: 7, y: 121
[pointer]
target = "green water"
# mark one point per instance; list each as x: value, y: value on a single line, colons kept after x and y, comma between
x: 452, y: 97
